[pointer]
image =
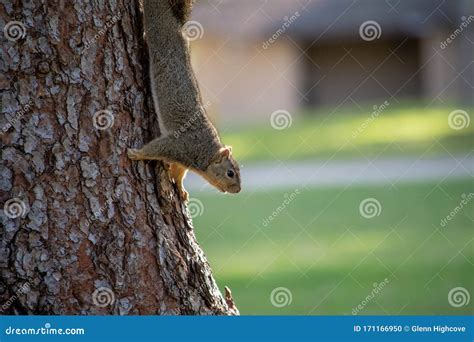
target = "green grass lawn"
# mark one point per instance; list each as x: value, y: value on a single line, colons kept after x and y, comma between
x: 404, y: 129
x: 328, y: 256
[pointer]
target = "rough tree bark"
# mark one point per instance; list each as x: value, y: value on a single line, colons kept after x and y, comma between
x: 84, y: 230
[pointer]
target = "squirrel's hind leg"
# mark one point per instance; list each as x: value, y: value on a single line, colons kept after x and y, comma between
x: 178, y: 172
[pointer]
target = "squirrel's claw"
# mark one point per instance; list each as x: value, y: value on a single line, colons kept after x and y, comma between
x: 177, y: 174
x: 184, y: 195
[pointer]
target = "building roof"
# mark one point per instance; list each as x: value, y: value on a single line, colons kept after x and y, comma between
x: 327, y: 19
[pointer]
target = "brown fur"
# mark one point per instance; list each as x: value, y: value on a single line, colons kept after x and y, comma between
x: 190, y: 140
x: 181, y: 9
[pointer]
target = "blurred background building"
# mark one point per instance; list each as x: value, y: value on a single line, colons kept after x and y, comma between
x: 331, y: 105
x: 257, y: 56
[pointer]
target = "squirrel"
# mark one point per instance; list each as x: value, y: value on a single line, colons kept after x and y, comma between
x: 189, y: 141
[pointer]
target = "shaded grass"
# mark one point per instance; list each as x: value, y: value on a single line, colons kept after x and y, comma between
x: 407, y: 130
x: 329, y: 256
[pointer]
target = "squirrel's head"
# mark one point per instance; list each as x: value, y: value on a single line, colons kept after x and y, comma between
x: 223, y: 172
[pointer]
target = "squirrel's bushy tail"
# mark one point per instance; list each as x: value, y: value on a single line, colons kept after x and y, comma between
x: 174, y: 85
x: 181, y: 9
x: 164, y: 10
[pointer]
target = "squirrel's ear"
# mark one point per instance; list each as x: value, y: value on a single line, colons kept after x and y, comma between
x: 225, y: 151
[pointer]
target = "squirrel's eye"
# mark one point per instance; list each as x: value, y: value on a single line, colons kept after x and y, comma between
x: 230, y: 173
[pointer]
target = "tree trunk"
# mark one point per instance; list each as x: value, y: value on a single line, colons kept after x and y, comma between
x: 84, y: 229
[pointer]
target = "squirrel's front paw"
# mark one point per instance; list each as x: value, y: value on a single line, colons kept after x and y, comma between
x: 133, y: 153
